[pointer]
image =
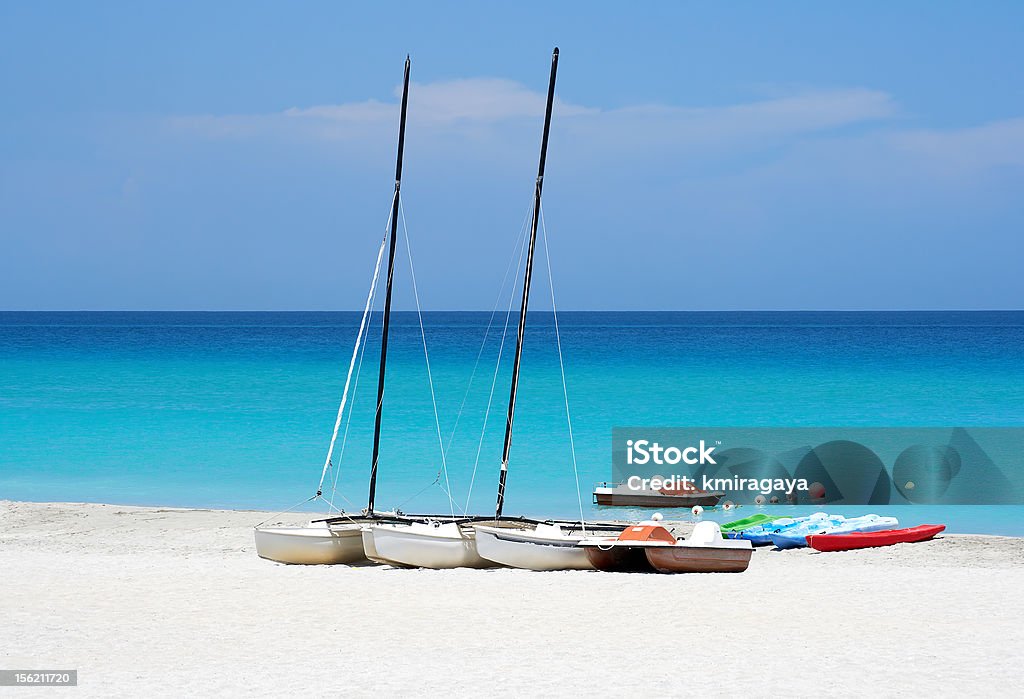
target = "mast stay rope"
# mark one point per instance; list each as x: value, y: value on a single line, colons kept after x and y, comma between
x: 487, y: 330
x: 426, y: 357
x: 348, y: 420
x: 561, y: 366
x: 521, y: 246
x: 352, y: 362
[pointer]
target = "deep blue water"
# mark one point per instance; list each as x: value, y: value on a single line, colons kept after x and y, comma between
x: 236, y: 409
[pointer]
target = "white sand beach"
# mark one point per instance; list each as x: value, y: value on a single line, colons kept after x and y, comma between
x: 167, y: 602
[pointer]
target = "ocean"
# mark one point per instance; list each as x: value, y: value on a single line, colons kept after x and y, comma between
x: 236, y: 409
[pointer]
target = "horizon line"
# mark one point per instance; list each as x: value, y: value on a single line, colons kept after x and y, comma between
x: 539, y: 310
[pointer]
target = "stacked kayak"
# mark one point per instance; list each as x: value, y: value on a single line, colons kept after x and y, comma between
x: 865, y: 524
x: 796, y: 537
x: 863, y: 540
x: 761, y: 534
x: 746, y: 523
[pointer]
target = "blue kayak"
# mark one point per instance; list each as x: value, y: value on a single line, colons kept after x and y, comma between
x: 762, y: 535
x: 865, y: 524
x: 796, y: 537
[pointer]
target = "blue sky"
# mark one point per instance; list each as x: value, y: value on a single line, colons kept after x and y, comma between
x: 703, y: 156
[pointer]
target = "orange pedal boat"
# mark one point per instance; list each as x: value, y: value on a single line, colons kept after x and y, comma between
x: 650, y: 546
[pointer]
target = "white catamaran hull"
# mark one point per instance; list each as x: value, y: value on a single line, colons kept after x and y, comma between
x: 429, y: 545
x: 543, y: 548
x: 371, y: 548
x: 310, y: 545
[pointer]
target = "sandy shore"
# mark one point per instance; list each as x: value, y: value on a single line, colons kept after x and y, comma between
x: 175, y: 602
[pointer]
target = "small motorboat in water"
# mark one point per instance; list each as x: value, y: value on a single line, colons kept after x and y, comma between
x: 622, y: 495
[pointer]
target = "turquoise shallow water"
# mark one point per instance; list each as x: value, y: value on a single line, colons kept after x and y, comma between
x: 236, y: 409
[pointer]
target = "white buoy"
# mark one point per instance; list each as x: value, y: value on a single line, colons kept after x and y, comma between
x: 656, y: 517
x: 774, y: 500
x: 760, y: 500
x: 909, y: 485
x: 728, y: 505
x: 697, y: 510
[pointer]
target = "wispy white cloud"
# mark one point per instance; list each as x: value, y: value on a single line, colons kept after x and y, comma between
x: 472, y: 99
x: 496, y: 119
x: 490, y: 102
x: 997, y: 143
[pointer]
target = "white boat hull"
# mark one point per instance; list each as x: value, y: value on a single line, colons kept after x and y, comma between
x: 543, y: 548
x: 431, y: 545
x: 311, y: 545
x: 371, y: 548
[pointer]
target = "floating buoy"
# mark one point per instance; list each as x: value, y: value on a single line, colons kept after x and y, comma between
x: 816, y: 491
x: 728, y: 505
x: 697, y: 510
x: 656, y: 517
x: 774, y: 500
x: 760, y: 500
x: 909, y: 485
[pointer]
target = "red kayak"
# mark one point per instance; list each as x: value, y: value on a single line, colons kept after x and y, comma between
x: 846, y: 542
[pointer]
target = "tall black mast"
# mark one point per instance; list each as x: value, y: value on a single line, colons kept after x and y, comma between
x: 387, y: 296
x: 526, y: 288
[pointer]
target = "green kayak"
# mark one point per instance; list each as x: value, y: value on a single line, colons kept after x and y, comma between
x: 746, y: 523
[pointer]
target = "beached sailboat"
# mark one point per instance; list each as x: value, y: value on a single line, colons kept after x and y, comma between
x: 340, y: 539
x: 545, y: 546
x: 449, y: 545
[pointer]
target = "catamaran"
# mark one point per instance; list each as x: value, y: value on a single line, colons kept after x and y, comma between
x: 453, y: 544
x: 479, y: 542
x: 433, y: 541
x: 340, y: 539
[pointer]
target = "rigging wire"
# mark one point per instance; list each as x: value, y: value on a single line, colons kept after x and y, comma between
x: 348, y: 420
x: 517, y: 257
x: 487, y: 330
x: 360, y: 348
x: 352, y: 363
x: 521, y: 244
x: 426, y: 357
x: 561, y: 366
